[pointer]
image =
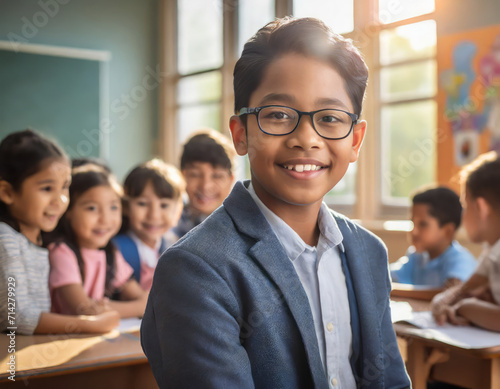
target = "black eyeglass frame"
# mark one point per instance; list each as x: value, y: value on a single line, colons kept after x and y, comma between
x: 255, y: 111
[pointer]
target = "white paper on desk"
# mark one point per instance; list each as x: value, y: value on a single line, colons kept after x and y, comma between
x: 461, y: 336
x: 132, y: 324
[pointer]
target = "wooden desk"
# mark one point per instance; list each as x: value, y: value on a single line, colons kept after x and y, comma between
x: 114, y: 360
x: 428, y: 358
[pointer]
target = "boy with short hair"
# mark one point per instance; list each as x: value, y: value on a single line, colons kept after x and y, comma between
x: 274, y: 290
x: 207, y: 163
x: 435, y: 259
x: 477, y: 301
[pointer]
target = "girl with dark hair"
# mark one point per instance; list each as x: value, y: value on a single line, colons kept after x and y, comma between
x: 34, y: 180
x: 87, y: 272
x: 152, y: 205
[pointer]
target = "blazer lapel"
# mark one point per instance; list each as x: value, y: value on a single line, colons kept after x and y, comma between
x: 268, y: 252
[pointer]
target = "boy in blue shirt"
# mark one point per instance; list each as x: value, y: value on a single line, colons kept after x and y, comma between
x: 435, y: 259
x: 273, y: 289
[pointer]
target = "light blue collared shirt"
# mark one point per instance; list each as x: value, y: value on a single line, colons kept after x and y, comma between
x: 320, y: 272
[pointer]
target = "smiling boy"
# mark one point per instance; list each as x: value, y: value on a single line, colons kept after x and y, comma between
x: 274, y: 290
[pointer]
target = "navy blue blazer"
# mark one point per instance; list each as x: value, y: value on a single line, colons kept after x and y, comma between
x: 227, y: 309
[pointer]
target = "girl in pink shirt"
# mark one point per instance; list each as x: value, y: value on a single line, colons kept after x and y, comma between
x: 88, y: 275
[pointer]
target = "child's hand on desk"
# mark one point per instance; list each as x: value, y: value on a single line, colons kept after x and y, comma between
x: 101, y: 323
x: 453, y: 313
x: 100, y: 306
x: 442, y: 303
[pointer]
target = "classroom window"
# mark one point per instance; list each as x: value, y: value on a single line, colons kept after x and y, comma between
x: 252, y: 15
x: 407, y: 109
x: 391, y: 11
x: 199, y: 63
x: 339, y: 14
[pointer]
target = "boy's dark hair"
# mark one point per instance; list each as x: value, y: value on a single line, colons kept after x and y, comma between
x: 166, y: 179
x: 210, y: 146
x: 23, y: 154
x: 482, y: 178
x: 309, y: 37
x: 84, y: 178
x: 444, y: 205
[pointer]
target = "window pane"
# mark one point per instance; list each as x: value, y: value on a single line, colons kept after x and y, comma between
x: 253, y: 14
x: 338, y: 14
x: 413, y: 41
x: 345, y: 191
x: 394, y: 10
x: 408, y: 148
x: 200, y: 35
x: 402, y: 82
x: 201, y: 88
x: 194, y: 118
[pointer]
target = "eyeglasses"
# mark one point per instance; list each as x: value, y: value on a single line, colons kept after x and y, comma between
x: 278, y: 120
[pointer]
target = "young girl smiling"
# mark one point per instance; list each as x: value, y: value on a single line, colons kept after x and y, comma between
x: 88, y: 275
x: 34, y: 180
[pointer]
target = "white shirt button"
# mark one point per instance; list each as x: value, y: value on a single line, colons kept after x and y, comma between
x: 329, y: 327
x: 334, y: 382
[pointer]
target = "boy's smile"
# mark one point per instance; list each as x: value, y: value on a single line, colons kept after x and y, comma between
x: 301, y: 167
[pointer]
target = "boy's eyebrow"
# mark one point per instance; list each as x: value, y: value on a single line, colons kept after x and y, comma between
x: 282, y: 97
x: 288, y: 99
x: 331, y: 102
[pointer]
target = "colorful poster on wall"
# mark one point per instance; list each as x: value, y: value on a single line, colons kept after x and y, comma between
x: 468, y: 97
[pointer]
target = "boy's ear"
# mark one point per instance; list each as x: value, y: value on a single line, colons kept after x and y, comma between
x: 238, y: 133
x: 449, y: 230
x: 6, y: 192
x: 358, y: 134
x: 483, y: 207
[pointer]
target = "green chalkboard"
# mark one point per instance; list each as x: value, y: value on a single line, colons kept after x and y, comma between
x: 57, y: 96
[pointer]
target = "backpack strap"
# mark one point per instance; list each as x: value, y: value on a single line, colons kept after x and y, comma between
x: 129, y: 251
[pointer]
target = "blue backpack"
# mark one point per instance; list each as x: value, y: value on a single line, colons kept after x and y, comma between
x: 128, y: 248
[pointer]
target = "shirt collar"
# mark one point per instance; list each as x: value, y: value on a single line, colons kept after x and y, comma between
x: 292, y: 243
x: 494, y: 251
x: 147, y: 254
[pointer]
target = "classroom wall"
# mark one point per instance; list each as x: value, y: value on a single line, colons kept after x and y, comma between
x: 462, y: 20
x: 128, y: 29
x: 461, y: 15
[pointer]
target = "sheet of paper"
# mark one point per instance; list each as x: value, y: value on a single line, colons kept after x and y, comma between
x: 132, y: 324
x: 462, y: 336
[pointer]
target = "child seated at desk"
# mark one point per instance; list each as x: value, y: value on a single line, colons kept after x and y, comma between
x: 435, y: 260
x: 86, y: 268
x: 152, y: 205
x: 34, y: 180
x: 477, y: 301
x: 207, y: 163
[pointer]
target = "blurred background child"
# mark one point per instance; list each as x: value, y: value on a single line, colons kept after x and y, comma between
x: 435, y: 259
x: 207, y: 163
x: 86, y: 268
x: 477, y: 301
x: 34, y: 179
x: 152, y: 205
